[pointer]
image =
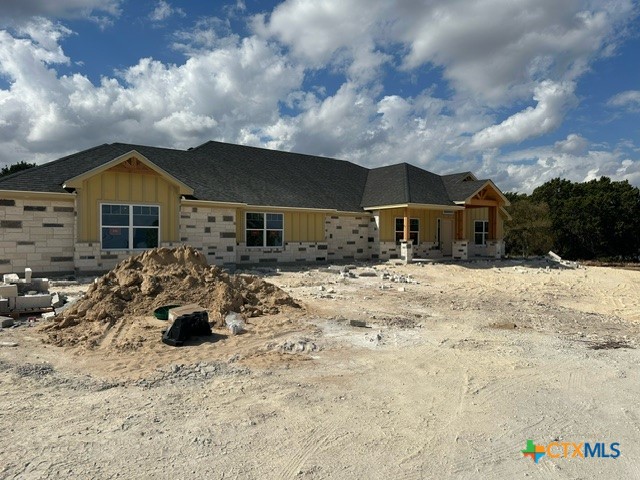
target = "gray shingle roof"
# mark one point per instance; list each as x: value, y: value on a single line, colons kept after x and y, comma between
x: 404, y: 183
x: 459, y: 187
x: 234, y: 173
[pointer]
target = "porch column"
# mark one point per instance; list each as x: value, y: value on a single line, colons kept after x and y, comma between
x: 406, y: 246
x: 493, y: 223
x: 406, y: 225
x: 459, y: 221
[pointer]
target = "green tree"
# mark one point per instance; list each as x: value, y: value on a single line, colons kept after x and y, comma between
x: 596, y: 219
x: 529, y: 230
x: 16, y: 167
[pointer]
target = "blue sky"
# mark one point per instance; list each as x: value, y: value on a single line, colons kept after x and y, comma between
x: 519, y: 91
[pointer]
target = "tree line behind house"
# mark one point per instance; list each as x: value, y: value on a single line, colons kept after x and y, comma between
x: 599, y: 219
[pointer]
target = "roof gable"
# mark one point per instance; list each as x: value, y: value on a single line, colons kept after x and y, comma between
x: 132, y: 162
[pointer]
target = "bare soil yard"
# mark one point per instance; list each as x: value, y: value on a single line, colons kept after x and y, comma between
x: 458, y: 366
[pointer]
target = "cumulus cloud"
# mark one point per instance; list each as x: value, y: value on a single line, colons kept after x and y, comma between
x: 573, y: 144
x: 524, y: 170
x: 629, y: 100
x: 164, y: 10
x: 212, y: 95
x: 206, y: 34
x: 553, y: 101
x: 496, y: 49
x: 16, y: 10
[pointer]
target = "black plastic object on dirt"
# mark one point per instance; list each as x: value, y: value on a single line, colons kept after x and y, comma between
x: 194, y: 324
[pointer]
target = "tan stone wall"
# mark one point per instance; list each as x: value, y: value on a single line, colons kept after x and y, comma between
x: 291, y: 252
x: 36, y: 233
x: 350, y: 237
x: 211, y: 230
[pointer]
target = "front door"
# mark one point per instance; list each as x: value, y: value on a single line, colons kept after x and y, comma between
x: 446, y: 236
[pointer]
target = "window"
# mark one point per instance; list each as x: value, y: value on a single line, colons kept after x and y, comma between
x: 128, y: 227
x: 481, y: 232
x: 264, y: 229
x: 414, y: 229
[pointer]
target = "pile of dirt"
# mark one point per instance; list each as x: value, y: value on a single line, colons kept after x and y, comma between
x: 162, y: 276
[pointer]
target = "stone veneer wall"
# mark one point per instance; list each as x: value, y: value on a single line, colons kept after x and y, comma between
x: 350, y: 237
x: 493, y: 249
x: 89, y: 258
x: 37, y: 234
x: 460, y: 250
x: 212, y: 230
x: 291, y: 252
x: 427, y: 250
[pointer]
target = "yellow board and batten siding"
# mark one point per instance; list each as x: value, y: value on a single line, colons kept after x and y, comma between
x: 298, y: 226
x: 474, y: 214
x: 114, y: 186
x: 428, y: 223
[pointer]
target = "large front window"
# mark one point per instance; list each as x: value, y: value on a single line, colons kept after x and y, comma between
x: 264, y: 229
x: 128, y: 227
x: 414, y: 229
x: 481, y: 231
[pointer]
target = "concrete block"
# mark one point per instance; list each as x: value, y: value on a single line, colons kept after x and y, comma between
x: 33, y: 302
x: 56, y: 301
x: 4, y: 305
x: 27, y: 275
x: 7, y: 291
x: 10, y: 278
x: 6, y: 322
x: 184, y: 310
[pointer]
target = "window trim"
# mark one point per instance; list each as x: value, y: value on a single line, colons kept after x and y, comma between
x: 264, y: 230
x: 130, y: 226
x: 417, y: 232
x: 484, y: 232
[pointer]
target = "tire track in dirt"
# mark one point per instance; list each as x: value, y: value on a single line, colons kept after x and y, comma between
x: 319, y: 438
x: 445, y: 434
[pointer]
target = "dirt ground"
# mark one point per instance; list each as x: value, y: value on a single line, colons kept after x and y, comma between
x: 458, y: 365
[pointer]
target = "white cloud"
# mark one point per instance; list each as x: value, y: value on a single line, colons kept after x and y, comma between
x: 497, y: 50
x: 212, y: 95
x: 13, y: 10
x: 206, y: 34
x: 629, y: 100
x: 553, y: 101
x: 573, y: 144
x: 524, y: 170
x: 164, y: 10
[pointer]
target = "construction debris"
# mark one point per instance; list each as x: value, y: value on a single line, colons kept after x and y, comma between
x: 358, y: 323
x: 27, y: 295
x: 161, y: 276
x: 558, y: 259
x: 6, y: 322
x: 235, y: 322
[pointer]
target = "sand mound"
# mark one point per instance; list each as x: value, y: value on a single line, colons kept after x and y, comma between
x: 162, y: 276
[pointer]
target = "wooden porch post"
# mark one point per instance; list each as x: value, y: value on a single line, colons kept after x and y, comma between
x: 406, y: 224
x: 459, y: 220
x: 493, y: 223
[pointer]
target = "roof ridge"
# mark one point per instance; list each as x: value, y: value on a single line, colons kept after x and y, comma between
x: 271, y: 150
